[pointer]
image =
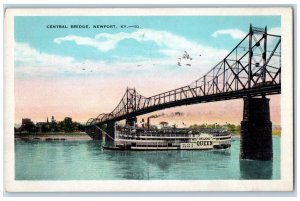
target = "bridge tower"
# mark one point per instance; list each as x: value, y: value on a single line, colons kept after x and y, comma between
x: 256, y: 126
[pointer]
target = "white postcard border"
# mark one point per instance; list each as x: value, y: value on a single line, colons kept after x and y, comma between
x: 284, y: 184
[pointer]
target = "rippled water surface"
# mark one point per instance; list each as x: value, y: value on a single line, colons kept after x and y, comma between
x: 85, y: 160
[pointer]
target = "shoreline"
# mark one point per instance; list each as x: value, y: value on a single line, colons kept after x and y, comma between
x: 236, y: 136
x: 76, y: 136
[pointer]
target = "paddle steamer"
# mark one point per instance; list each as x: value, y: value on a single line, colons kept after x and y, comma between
x: 135, y: 138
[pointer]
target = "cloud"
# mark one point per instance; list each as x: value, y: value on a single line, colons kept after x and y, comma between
x: 275, y: 31
x: 239, y: 34
x: 171, y: 47
x: 29, y: 62
x: 233, y: 33
x: 105, y: 42
x: 29, y: 56
x: 140, y: 72
x: 167, y: 42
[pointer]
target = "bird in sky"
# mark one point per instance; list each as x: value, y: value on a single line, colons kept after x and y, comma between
x: 179, y: 62
x: 186, y: 56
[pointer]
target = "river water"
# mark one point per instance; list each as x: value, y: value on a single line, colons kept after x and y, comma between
x: 85, y: 160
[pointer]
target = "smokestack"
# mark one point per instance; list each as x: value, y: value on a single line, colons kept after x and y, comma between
x: 148, y: 123
x: 148, y: 119
x: 143, y: 123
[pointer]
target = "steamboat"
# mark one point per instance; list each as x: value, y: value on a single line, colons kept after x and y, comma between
x: 166, y: 138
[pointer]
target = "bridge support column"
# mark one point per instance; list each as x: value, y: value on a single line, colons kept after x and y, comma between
x: 94, y: 132
x: 131, y: 121
x: 256, y: 130
x: 111, y: 129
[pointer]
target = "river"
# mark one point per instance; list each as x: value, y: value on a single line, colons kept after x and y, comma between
x: 85, y: 160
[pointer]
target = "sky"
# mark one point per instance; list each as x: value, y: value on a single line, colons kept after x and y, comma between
x: 82, y: 72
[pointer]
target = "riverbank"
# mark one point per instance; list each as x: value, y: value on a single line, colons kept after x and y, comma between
x: 234, y: 136
x: 59, y: 136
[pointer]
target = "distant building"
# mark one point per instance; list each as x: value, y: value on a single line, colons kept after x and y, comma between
x: 27, y: 126
x: 26, y: 121
x: 66, y: 125
x: 48, y: 126
x: 40, y: 125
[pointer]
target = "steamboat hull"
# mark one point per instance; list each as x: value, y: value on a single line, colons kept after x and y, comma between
x: 115, y: 148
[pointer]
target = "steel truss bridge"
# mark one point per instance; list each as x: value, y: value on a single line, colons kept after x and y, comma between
x: 252, y: 68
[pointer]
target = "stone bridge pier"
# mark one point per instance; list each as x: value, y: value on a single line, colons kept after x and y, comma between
x: 94, y: 132
x: 256, y: 130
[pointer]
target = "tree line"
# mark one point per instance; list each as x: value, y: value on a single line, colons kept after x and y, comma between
x: 67, y: 125
x: 230, y: 127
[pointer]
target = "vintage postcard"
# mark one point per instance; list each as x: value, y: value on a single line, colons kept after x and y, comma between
x: 148, y: 99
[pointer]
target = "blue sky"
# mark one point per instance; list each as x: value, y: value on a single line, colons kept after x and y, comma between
x: 33, y: 31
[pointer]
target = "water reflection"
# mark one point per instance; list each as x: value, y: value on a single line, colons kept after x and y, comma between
x: 145, y: 165
x: 94, y: 146
x: 142, y: 164
x: 254, y: 169
x: 86, y: 160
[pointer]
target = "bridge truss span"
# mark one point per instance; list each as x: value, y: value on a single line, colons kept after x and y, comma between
x: 252, y: 68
